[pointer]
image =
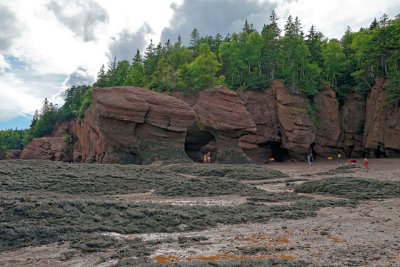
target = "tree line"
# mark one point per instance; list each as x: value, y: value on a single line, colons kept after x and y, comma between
x: 307, y: 62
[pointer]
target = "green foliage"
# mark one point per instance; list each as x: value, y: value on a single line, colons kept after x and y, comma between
x: 12, y: 139
x: 74, y: 97
x: 68, y: 138
x: 3, y: 152
x: 45, y: 124
x: 251, y: 60
x: 201, y: 73
x: 334, y: 59
x: 86, y: 102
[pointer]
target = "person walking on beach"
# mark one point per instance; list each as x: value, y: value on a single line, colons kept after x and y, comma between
x: 208, y: 157
x: 339, y: 159
x: 205, y: 158
x: 366, y: 164
x: 309, y: 159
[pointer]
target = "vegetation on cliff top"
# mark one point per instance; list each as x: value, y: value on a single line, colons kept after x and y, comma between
x: 307, y: 62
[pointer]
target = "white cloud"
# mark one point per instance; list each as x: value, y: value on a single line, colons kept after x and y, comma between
x: 333, y: 17
x: 54, y: 38
x: 16, y: 98
x: 4, y: 65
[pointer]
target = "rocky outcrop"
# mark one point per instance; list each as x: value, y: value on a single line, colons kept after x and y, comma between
x: 295, y: 125
x: 46, y: 148
x: 284, y: 128
x: 382, y: 124
x: 133, y: 125
x: 328, y: 126
x: 136, y: 125
x: 262, y: 107
x: 220, y: 112
x: 353, y: 122
x: 14, y: 154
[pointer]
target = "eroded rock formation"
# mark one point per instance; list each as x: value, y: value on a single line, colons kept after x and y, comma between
x: 221, y: 113
x: 262, y: 107
x: 327, y: 121
x: 133, y: 125
x: 46, y: 148
x: 136, y: 125
x: 295, y: 124
x: 353, y: 122
x: 382, y: 124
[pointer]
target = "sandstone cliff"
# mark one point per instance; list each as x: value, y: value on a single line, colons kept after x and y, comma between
x: 136, y: 125
x: 353, y: 122
x: 220, y: 112
x: 328, y: 139
x: 382, y: 124
x: 284, y: 127
x: 133, y: 125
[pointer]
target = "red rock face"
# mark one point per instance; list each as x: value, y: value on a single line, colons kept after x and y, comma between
x: 294, y: 122
x: 353, y: 122
x: 262, y: 107
x: 382, y: 125
x: 133, y: 125
x: 328, y: 129
x: 284, y: 128
x: 221, y: 112
x: 45, y: 148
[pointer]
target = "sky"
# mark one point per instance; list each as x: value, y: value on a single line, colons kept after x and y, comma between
x: 47, y: 46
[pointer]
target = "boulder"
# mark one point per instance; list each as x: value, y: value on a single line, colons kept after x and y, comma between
x: 133, y: 125
x: 46, y: 148
x: 220, y: 112
x: 295, y: 125
x: 328, y: 130
x: 353, y: 122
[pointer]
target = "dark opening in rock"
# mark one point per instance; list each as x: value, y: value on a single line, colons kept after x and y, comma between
x: 197, y: 143
x: 379, y: 153
x: 278, y: 153
x: 312, y: 148
x: 264, y: 153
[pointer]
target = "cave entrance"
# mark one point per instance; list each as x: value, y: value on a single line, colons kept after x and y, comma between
x: 277, y: 152
x: 265, y: 151
x: 198, y: 143
x: 312, y: 148
x: 379, y: 153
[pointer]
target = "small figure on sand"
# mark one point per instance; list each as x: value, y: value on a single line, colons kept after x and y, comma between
x: 205, y: 158
x: 309, y: 159
x: 366, y: 164
x: 209, y: 157
x: 339, y: 159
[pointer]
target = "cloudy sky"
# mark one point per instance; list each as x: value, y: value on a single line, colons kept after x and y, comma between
x: 49, y: 45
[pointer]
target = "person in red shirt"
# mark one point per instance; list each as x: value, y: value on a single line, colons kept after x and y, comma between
x: 366, y: 164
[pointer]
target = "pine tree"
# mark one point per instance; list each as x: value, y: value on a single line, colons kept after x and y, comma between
x: 137, y: 57
x: 248, y: 28
x: 101, y: 78
x: 194, y: 41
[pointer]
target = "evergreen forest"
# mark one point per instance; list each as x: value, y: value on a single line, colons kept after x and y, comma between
x: 304, y: 59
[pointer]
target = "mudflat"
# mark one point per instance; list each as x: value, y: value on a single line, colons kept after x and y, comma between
x: 293, y: 214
